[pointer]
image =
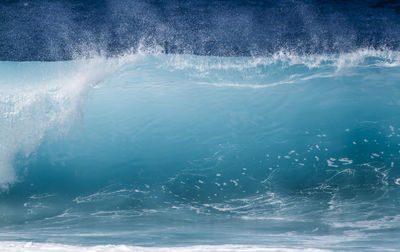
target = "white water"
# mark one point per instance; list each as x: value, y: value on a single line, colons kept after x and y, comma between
x: 40, y: 247
x: 41, y: 97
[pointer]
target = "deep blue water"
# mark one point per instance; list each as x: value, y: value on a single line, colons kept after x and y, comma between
x: 207, y: 126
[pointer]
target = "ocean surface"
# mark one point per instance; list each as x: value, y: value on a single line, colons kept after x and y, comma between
x: 288, y: 140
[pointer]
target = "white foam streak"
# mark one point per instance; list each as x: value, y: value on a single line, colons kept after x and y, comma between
x: 36, y: 247
x: 290, y: 81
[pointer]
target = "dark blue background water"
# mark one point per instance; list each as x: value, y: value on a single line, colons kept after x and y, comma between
x: 55, y: 30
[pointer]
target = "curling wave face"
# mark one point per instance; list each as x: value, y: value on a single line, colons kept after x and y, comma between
x: 286, y: 148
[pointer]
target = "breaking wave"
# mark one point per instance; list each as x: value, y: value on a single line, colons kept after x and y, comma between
x: 279, y: 143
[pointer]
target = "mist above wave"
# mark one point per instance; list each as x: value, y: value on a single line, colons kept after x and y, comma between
x: 52, y: 30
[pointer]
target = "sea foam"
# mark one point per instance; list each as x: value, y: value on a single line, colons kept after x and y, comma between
x: 36, y: 247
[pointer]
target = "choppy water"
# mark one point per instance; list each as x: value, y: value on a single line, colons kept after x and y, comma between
x: 162, y: 150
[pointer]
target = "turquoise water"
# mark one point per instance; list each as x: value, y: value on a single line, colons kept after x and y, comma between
x: 179, y: 150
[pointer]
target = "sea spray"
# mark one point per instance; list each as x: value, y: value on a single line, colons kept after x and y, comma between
x: 30, y: 105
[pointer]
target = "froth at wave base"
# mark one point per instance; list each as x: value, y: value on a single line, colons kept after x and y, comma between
x: 162, y: 150
x: 32, y: 247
